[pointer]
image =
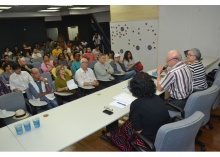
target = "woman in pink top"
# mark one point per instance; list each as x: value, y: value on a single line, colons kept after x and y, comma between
x: 47, y: 64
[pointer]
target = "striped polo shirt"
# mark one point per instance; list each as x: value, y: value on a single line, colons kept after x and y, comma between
x: 199, y: 76
x: 178, y: 81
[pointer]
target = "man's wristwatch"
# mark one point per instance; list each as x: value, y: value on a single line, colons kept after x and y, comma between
x: 46, y: 83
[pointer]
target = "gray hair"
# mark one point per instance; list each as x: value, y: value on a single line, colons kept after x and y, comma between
x: 83, y: 59
x: 196, y: 52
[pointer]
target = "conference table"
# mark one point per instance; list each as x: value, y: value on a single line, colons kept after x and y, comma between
x: 68, y: 123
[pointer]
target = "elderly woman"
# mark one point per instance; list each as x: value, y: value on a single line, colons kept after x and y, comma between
x: 147, y: 113
x: 197, y: 69
x: 61, y: 84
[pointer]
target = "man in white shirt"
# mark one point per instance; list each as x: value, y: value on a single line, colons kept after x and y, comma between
x: 36, y: 54
x: 19, y: 80
x: 86, y: 78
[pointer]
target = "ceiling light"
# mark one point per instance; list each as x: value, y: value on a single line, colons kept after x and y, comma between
x: 79, y: 8
x: 54, y: 8
x: 47, y: 10
x: 5, y: 7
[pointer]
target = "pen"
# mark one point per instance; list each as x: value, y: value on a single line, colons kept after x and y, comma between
x: 121, y: 103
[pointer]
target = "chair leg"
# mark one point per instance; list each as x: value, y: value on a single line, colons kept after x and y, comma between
x: 202, y: 145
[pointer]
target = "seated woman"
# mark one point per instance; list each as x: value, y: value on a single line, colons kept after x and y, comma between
x: 197, y: 69
x: 47, y: 64
x: 128, y: 61
x: 147, y: 113
x: 61, y: 85
x: 62, y: 60
x: 3, y: 88
x: 109, y: 56
x: 7, y: 72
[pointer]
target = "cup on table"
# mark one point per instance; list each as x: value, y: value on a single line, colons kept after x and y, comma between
x: 36, y: 122
x: 154, y: 73
x: 27, y: 125
x: 18, y: 128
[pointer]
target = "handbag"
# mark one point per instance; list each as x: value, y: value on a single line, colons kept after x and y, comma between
x: 138, y: 66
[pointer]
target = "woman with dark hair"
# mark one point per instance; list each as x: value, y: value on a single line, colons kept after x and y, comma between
x: 147, y: 114
x: 7, y: 72
x: 128, y: 60
x: 110, y: 56
x: 47, y: 64
x: 62, y: 60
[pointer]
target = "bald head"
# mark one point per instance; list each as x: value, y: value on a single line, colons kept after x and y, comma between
x: 174, y: 54
x: 35, y: 73
x: 22, y: 61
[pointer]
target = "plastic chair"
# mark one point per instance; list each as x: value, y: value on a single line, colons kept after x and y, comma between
x: 176, y: 136
x: 13, y: 102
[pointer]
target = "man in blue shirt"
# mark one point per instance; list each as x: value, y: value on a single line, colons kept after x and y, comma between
x: 41, y: 90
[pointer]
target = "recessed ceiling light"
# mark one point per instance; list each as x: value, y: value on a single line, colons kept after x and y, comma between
x: 47, y: 10
x: 79, y: 8
x: 5, y: 7
x: 54, y: 8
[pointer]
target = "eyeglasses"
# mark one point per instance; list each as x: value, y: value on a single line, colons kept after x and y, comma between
x: 190, y: 55
x: 170, y: 59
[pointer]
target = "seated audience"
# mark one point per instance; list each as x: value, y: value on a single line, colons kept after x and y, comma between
x: 8, y: 60
x: 96, y: 51
x: 56, y: 51
x: 47, y: 64
x: 128, y: 60
x: 110, y: 56
x: 103, y: 71
x: 119, y: 69
x: 178, y: 80
x: 39, y: 88
x: 16, y: 51
x: 3, y: 88
x: 66, y: 54
x: 89, y: 55
x: 197, y: 69
x: 86, y: 78
x: 147, y: 114
x: 7, y: 72
x: 53, y: 71
x: 76, y: 63
x: 61, y: 85
x: 25, y: 66
x: 62, y: 60
x: 36, y: 54
x: 19, y: 80
x: 8, y: 52
x: 27, y: 56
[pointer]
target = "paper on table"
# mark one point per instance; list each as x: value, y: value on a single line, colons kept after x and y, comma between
x: 125, y: 98
x: 71, y: 84
x: 50, y: 96
x: 118, y: 104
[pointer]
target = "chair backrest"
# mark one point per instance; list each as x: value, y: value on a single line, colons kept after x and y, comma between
x: 37, y: 60
x: 92, y: 64
x: 12, y: 102
x: 180, y: 135
x: 48, y: 76
x: 36, y: 64
x: 201, y: 101
x: 217, y: 100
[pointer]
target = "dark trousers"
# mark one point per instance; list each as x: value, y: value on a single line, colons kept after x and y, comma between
x: 176, y: 102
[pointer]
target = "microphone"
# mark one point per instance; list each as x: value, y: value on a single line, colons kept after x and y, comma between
x: 165, y: 67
